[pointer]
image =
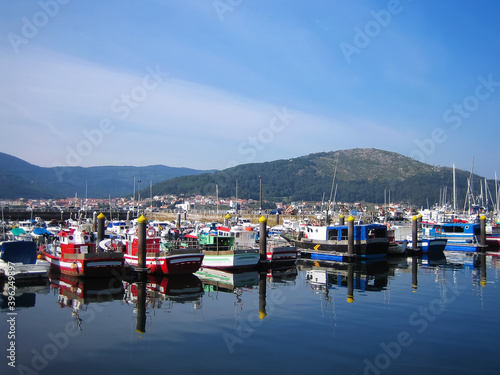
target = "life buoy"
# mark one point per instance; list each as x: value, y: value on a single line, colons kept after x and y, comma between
x: 466, y: 227
x: 151, y: 232
x: 438, y: 230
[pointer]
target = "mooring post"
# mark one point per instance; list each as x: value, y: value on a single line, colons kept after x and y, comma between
x: 94, y: 221
x: 482, y: 221
x: 341, y: 219
x: 178, y: 224
x: 226, y: 220
x: 141, y: 234
x: 101, y: 218
x: 414, y: 233
x: 350, y: 235
x: 419, y: 220
x: 277, y: 218
x: 263, y: 239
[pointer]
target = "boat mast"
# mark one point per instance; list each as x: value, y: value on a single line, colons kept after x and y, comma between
x: 454, y: 190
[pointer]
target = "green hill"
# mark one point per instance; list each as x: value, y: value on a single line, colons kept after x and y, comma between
x: 362, y: 175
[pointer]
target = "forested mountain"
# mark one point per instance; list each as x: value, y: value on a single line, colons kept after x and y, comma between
x: 361, y: 175
x: 22, y: 179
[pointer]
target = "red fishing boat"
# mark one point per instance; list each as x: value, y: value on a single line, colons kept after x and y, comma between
x: 175, y: 259
x: 73, y: 252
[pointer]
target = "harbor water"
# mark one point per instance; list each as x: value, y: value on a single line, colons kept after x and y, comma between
x: 395, y: 316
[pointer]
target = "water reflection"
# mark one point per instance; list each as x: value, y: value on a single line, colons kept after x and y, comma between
x: 362, y: 276
x: 78, y: 293
x: 150, y: 293
x: 25, y: 293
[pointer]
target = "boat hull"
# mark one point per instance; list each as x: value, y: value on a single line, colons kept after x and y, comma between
x: 231, y: 259
x: 180, y: 264
x: 363, y: 249
x: 101, y: 265
x: 282, y: 254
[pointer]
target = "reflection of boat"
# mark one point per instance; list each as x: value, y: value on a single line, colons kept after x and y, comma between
x: 74, y: 253
x: 166, y: 261
x: 76, y: 292
x: 227, y: 281
x: 19, y: 260
x: 25, y: 292
x: 368, y: 276
x: 282, y: 275
x: 180, y: 288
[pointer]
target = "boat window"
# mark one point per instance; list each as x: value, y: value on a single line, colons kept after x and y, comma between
x: 477, y: 231
x: 343, y: 235
x: 459, y: 229
x: 333, y: 234
x: 378, y: 233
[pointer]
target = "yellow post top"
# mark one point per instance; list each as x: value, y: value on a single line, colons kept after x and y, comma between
x: 414, y: 218
x: 262, y: 219
x: 350, y: 299
x: 483, y: 282
x: 482, y: 217
x: 227, y: 216
x: 262, y: 314
x: 142, y: 219
x: 419, y: 215
x: 341, y: 215
x: 350, y: 219
x: 139, y: 331
x: 101, y: 216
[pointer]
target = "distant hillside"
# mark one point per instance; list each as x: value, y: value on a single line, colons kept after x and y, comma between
x: 22, y: 179
x: 362, y: 175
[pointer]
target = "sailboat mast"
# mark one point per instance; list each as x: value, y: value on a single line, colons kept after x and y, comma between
x: 454, y: 190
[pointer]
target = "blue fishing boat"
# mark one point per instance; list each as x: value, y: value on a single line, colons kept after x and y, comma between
x: 330, y: 242
x: 459, y: 236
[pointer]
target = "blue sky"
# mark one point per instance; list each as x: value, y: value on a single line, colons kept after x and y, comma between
x: 211, y: 84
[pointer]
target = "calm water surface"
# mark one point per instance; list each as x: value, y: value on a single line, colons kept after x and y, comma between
x: 406, y: 316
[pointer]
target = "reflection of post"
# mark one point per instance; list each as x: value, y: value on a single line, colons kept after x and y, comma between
x: 262, y: 295
x: 483, y: 269
x: 414, y: 272
x: 141, y: 304
x: 350, y: 283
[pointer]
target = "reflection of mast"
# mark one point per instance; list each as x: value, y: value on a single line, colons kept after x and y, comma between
x: 262, y: 295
